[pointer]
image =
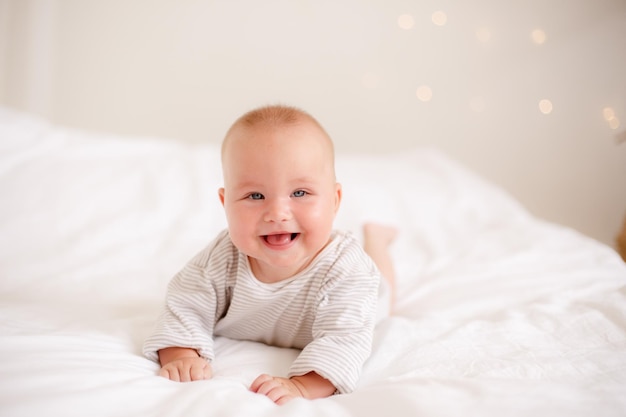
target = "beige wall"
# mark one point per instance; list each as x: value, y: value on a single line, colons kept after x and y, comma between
x: 186, y: 69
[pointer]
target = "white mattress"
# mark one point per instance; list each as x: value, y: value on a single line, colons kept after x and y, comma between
x: 499, y: 313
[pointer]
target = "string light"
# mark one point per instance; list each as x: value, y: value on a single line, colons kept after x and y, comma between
x: 406, y: 21
x: 545, y: 106
x: 538, y: 36
x: 424, y: 93
x: 439, y: 18
x: 609, y: 116
x: 477, y: 103
x: 614, y: 123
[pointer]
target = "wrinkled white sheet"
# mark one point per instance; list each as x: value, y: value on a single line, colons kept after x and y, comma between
x: 499, y: 313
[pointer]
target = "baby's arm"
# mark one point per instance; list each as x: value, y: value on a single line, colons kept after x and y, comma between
x: 280, y: 390
x: 183, y: 365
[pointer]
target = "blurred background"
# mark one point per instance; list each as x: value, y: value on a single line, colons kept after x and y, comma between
x: 531, y: 95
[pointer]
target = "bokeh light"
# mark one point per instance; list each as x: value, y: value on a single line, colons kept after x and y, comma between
x: 538, y: 36
x: 406, y: 21
x: 424, y: 93
x: 439, y: 18
x: 611, y: 117
x: 608, y: 114
x: 545, y: 106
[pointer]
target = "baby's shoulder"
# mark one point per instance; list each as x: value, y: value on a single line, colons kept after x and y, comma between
x: 219, y: 252
x: 347, y: 257
x: 347, y: 248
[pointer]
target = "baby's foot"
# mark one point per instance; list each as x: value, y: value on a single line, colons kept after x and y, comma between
x: 376, y: 234
x: 377, y: 239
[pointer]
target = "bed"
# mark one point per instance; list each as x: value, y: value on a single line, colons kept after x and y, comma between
x: 498, y: 313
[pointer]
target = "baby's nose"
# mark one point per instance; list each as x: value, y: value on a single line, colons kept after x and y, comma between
x: 278, y: 211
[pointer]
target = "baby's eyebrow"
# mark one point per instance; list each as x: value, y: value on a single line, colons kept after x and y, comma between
x: 248, y: 184
x: 252, y: 185
x: 306, y: 180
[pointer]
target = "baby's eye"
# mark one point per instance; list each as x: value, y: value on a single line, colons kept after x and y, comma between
x: 299, y: 193
x: 255, y: 196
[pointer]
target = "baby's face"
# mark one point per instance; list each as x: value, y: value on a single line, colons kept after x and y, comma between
x: 280, y: 196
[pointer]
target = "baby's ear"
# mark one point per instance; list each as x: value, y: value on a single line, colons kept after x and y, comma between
x: 221, y: 194
x: 338, y: 194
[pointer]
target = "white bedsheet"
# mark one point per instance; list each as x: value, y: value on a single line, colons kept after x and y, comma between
x: 499, y: 313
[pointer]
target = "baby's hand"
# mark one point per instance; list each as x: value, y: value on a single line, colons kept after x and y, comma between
x: 187, y: 369
x: 279, y: 390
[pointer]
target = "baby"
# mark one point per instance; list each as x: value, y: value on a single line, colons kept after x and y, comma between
x: 279, y: 274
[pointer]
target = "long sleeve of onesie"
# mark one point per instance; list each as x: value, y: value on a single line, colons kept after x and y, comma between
x: 342, y: 333
x: 194, y: 302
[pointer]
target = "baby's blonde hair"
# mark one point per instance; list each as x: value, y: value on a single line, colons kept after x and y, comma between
x: 275, y: 116
x: 272, y: 115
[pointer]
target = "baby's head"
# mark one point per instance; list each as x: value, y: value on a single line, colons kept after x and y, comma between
x: 280, y: 193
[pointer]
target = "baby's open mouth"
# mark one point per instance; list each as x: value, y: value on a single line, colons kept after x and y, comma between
x: 280, y: 238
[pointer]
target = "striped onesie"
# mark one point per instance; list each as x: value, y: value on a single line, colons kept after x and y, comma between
x: 328, y: 310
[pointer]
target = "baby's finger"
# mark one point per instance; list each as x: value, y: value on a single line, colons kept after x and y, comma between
x: 279, y: 394
x: 282, y: 400
x: 170, y: 373
x: 207, y: 371
x: 199, y: 372
x: 259, y: 381
x: 268, y: 387
x: 184, y: 372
